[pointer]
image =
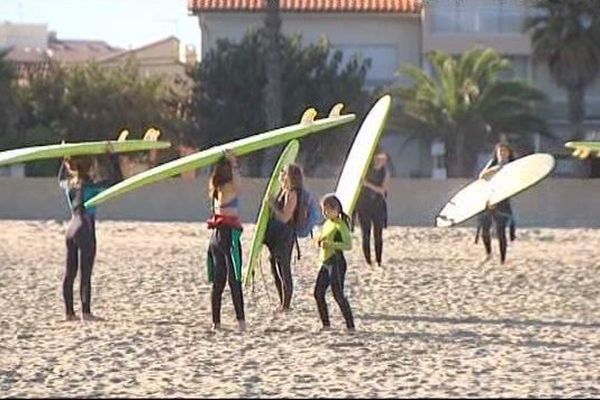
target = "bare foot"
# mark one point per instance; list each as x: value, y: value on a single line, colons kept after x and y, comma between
x: 324, y: 329
x: 90, y: 317
x: 487, y: 258
x: 215, y: 327
x: 241, y: 325
x: 351, y: 330
x: 281, y: 310
x: 71, y: 317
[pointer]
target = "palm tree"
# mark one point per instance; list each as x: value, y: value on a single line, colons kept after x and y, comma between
x: 465, y: 103
x: 272, y: 50
x: 566, y: 34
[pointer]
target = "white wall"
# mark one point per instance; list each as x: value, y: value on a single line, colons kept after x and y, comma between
x: 412, y: 202
x: 394, y: 38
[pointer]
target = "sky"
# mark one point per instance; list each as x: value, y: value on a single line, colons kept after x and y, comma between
x: 121, y: 23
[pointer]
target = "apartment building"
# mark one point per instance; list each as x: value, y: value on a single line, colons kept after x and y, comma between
x: 397, y: 32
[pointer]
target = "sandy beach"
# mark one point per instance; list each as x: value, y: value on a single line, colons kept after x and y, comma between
x: 432, y: 322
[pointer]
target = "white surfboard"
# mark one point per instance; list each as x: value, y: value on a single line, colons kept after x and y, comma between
x: 509, y: 181
x: 360, y: 155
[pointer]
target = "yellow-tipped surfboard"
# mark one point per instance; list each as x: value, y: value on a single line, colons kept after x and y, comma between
x: 287, y: 157
x: 308, y: 124
x: 121, y: 145
x: 510, y: 180
x: 361, y: 153
x: 584, y: 149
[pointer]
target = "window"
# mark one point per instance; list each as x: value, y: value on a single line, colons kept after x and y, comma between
x: 498, y: 17
x: 384, y: 60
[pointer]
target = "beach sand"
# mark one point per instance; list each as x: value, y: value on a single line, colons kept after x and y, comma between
x: 431, y: 322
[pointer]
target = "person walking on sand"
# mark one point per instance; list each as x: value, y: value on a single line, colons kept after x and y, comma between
x: 371, y: 207
x: 501, y: 214
x: 334, y: 239
x: 224, y: 259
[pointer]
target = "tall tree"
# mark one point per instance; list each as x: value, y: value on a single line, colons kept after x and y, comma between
x: 465, y: 103
x: 92, y: 102
x: 8, y: 102
x: 566, y: 34
x: 273, y: 69
x: 228, y: 100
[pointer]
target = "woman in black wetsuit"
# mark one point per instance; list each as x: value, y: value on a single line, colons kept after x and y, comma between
x: 371, y: 207
x: 281, y: 233
x: 500, y: 214
x: 75, y: 177
x: 225, y: 252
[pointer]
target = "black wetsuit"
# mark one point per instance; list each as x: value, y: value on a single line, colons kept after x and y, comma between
x: 225, y: 265
x: 81, y: 246
x: 372, y: 211
x: 279, y: 239
x: 501, y: 216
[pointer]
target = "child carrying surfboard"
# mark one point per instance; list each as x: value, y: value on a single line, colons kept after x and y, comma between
x: 77, y: 177
x: 334, y: 239
x: 500, y: 214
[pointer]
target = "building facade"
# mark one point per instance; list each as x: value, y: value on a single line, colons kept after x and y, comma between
x: 398, y: 32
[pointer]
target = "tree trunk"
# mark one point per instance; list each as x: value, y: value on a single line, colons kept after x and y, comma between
x: 455, y: 153
x: 577, y: 112
x: 273, y: 70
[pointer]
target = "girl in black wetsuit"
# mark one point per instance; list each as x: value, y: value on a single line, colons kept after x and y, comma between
x: 75, y: 179
x: 225, y: 251
x: 281, y: 233
x: 371, y: 207
x: 500, y: 214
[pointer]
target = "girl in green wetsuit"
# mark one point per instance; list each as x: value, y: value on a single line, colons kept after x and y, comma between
x: 335, y: 237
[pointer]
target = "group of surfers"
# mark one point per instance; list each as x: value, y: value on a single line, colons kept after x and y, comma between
x: 77, y: 178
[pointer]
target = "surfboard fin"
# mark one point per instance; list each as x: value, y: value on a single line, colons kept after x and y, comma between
x: 336, y: 110
x: 123, y: 135
x: 152, y: 134
x: 581, y: 152
x: 309, y: 116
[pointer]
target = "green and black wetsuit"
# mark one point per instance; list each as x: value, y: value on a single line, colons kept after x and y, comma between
x: 224, y: 263
x: 333, y: 269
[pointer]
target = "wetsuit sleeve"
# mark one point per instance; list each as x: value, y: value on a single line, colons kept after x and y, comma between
x: 346, y: 243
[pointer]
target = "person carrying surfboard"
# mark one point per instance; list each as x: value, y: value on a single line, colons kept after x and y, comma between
x: 500, y: 214
x: 77, y: 178
x: 334, y: 239
x: 224, y: 259
x: 371, y: 207
x: 280, y: 236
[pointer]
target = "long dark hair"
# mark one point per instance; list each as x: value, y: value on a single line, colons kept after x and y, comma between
x: 294, y: 172
x: 511, y: 153
x: 81, y: 167
x: 331, y: 200
x: 222, y: 174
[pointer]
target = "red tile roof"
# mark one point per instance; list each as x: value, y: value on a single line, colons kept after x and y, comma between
x: 308, y: 6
